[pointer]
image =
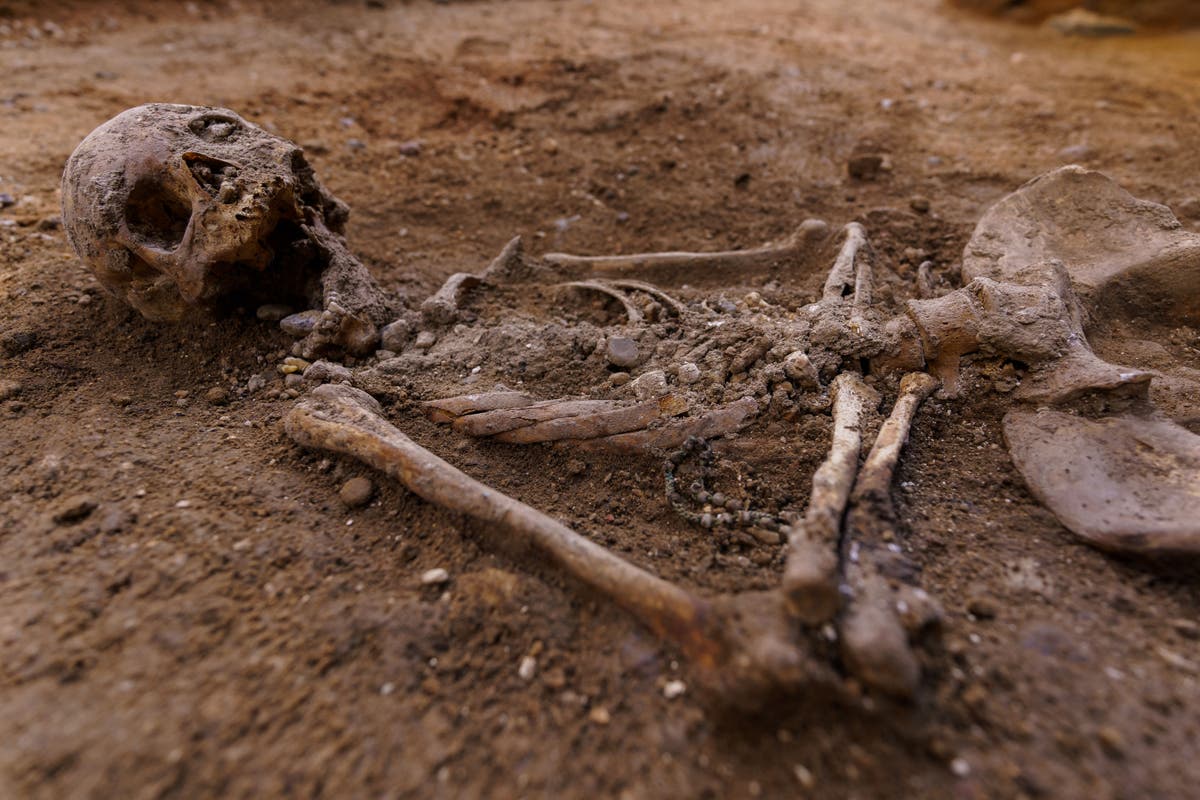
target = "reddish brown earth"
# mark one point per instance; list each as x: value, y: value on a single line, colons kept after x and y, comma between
x: 220, y: 625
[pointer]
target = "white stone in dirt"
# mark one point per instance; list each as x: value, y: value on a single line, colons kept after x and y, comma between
x: 674, y: 689
x: 650, y: 385
x: 688, y: 373
x: 527, y: 668
x: 434, y: 577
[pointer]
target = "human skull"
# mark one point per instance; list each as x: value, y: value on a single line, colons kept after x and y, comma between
x: 174, y: 206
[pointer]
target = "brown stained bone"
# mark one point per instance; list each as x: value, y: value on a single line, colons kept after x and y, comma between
x: 601, y: 423
x: 1123, y: 255
x: 1035, y: 318
x: 672, y: 434
x: 442, y: 307
x: 632, y: 312
x: 1125, y: 484
x: 491, y: 423
x: 588, y: 424
x: 874, y: 641
x: 742, y: 645
x: 794, y: 248
x: 448, y: 408
x: 810, y: 578
x: 850, y: 274
x: 179, y: 207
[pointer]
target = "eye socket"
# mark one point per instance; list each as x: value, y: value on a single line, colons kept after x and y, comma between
x: 214, y: 127
x: 156, y: 215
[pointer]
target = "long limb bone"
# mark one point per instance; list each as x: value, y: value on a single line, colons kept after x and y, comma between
x: 874, y: 643
x: 792, y: 248
x: 850, y: 274
x: 742, y: 644
x: 810, y: 579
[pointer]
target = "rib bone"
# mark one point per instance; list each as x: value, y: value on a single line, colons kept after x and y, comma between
x: 810, y: 579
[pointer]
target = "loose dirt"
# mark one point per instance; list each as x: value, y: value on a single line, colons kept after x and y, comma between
x: 188, y: 608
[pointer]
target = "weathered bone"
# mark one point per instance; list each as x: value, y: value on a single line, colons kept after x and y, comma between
x: 874, y: 642
x: 850, y: 274
x: 810, y: 579
x: 741, y: 644
x: 791, y: 249
x: 631, y: 311
x: 1127, y: 484
x: 587, y: 424
x: 177, y: 207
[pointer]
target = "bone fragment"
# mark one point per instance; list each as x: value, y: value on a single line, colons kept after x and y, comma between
x: 605, y: 422
x: 810, y: 579
x: 874, y: 641
x: 847, y: 276
x: 741, y: 645
x: 442, y: 307
x: 672, y: 434
x: 491, y: 423
x: 448, y: 408
x: 652, y: 290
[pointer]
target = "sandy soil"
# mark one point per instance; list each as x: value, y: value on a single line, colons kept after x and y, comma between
x: 219, y: 624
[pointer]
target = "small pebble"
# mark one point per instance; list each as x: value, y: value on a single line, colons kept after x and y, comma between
x: 619, y: 378
x: 434, y: 577
x: 9, y: 389
x: 411, y: 148
x: 426, y: 340
x: 600, y: 715
x: 960, y: 767
x: 256, y: 383
x: 919, y: 204
x: 357, y: 492
x: 1111, y: 741
x: 983, y: 607
x: 327, y: 372
x: 217, y: 396
x: 273, y: 312
x: 395, y: 335
x: 527, y: 668
x: 293, y: 381
x: 650, y: 385
x: 688, y: 373
x: 621, y: 352
x: 674, y: 689
x: 7, y: 200
x: 865, y: 167
x: 804, y: 776
x: 73, y: 509
x: 301, y: 324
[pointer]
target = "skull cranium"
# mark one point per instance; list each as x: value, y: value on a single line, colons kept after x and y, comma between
x: 174, y: 206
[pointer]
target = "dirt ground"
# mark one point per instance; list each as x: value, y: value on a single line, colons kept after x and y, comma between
x: 219, y: 624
